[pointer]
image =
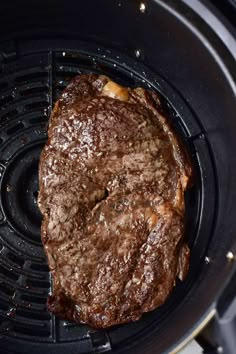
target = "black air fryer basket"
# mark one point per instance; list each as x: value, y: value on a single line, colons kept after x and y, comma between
x: 185, y: 50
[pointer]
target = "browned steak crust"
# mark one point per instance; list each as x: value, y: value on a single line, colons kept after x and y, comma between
x: 112, y: 182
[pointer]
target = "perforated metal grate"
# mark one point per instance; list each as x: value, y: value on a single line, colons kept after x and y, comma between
x: 33, y: 75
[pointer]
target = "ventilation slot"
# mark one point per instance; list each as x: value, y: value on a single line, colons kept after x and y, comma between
x: 34, y: 91
x: 19, y: 261
x: 40, y: 267
x: 36, y: 105
x: 15, y: 128
x: 68, y: 71
x: 32, y: 331
x: 11, y: 114
x: 8, y: 273
x: 76, y: 59
x: 36, y: 120
x: 41, y: 316
x: 35, y: 299
x: 30, y: 77
x: 38, y: 284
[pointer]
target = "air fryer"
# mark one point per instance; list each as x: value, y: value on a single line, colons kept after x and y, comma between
x: 186, y: 51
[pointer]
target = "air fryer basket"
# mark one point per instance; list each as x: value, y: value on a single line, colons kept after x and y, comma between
x: 162, y: 45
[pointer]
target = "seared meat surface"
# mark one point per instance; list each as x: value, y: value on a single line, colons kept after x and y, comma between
x: 112, y: 182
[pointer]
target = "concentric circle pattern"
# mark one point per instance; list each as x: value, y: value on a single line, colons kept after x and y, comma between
x: 30, y: 84
x: 20, y: 190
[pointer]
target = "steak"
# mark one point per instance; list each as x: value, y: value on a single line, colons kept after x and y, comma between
x: 112, y: 182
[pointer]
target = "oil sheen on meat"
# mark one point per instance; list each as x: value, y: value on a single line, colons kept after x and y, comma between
x: 112, y: 182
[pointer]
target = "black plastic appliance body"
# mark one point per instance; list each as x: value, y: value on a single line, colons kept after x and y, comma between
x: 186, y: 50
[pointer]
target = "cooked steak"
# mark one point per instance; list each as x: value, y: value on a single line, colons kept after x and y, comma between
x: 112, y: 182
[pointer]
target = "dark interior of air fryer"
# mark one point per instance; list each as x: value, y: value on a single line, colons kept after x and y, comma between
x: 44, y: 47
